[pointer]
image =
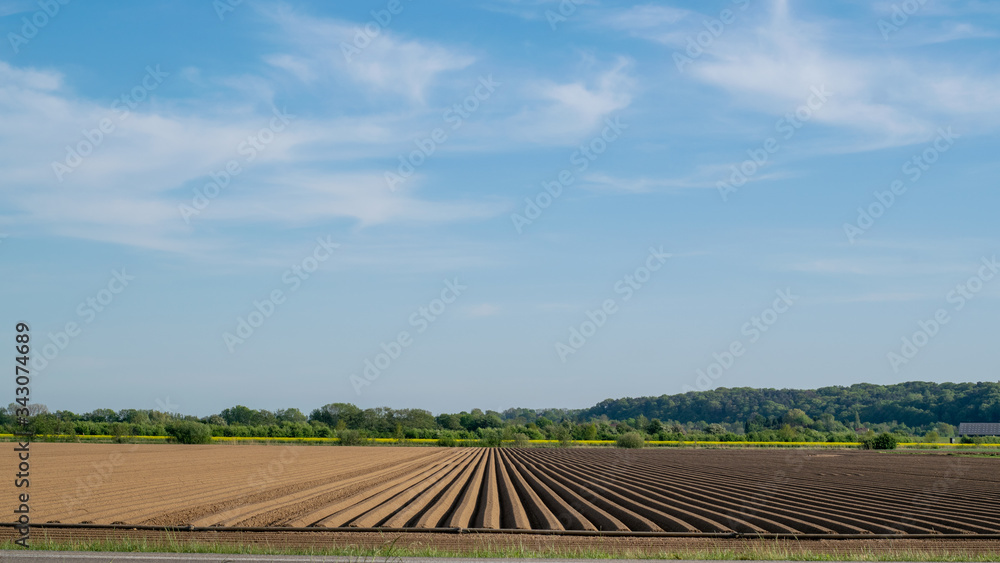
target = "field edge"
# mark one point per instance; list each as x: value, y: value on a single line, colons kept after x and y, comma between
x: 392, y: 547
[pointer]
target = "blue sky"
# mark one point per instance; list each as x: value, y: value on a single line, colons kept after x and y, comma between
x: 496, y: 203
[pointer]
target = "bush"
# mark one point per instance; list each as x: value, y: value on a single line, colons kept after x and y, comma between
x: 883, y: 441
x: 447, y: 441
x: 630, y: 440
x: 190, y: 432
x: 490, y: 437
x: 520, y: 441
x: 979, y: 440
x: 351, y: 438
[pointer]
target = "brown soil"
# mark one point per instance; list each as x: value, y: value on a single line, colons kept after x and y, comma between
x: 776, y: 491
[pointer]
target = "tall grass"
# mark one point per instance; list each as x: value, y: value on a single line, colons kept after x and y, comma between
x: 388, y: 550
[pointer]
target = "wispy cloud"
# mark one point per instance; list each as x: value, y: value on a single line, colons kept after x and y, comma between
x: 128, y: 190
x: 884, y: 99
x: 564, y: 112
x: 876, y: 266
x: 323, y: 50
x: 651, y: 22
x: 702, y: 177
x: 887, y: 297
x: 530, y: 10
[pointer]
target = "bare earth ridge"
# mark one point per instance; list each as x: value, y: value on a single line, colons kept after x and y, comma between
x: 682, y: 490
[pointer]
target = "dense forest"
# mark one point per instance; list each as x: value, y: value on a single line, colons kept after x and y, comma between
x: 915, y: 404
x: 828, y: 414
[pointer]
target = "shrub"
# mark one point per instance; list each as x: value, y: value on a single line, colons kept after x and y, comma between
x: 190, y: 432
x: 883, y: 441
x: 321, y: 430
x: 630, y: 440
x: 122, y: 432
x: 520, y: 441
x: 715, y: 429
x: 351, y: 438
x: 490, y: 437
x: 447, y: 441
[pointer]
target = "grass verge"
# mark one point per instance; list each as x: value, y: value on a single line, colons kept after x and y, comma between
x: 390, y: 551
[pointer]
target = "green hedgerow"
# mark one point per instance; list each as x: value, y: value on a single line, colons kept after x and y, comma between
x: 883, y: 441
x: 447, y: 440
x: 190, y: 432
x: 351, y: 437
x: 630, y: 440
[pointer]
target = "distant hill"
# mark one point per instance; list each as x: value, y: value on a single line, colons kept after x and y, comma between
x: 915, y: 403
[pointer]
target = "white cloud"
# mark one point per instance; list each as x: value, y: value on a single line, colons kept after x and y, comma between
x: 303, y: 197
x: 385, y: 63
x: 702, y: 177
x: 885, y: 99
x: 650, y: 22
x: 876, y: 266
x: 887, y: 297
x: 563, y: 113
x: 127, y: 191
x: 532, y: 10
x: 10, y: 7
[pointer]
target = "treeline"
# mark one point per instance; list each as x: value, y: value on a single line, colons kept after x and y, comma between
x: 915, y: 404
x: 742, y: 414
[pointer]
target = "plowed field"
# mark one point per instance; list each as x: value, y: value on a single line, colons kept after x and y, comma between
x: 674, y: 490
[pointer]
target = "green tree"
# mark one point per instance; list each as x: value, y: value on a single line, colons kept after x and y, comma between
x: 190, y: 432
x: 630, y: 440
x: 797, y: 417
x: 238, y: 415
x: 290, y: 415
x: 654, y: 427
